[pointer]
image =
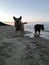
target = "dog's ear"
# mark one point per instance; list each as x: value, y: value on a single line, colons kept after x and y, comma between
x: 20, y: 17
x: 14, y: 17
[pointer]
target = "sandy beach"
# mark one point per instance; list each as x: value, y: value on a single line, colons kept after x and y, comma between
x: 22, y: 50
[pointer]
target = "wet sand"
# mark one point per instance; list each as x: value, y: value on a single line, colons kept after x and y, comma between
x: 22, y: 50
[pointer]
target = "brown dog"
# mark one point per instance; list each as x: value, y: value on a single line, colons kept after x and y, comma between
x: 19, y: 26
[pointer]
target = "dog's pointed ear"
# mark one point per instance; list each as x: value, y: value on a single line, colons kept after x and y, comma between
x: 20, y: 17
x: 14, y: 17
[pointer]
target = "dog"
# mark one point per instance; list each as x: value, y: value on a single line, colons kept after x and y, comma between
x: 38, y: 28
x: 19, y: 26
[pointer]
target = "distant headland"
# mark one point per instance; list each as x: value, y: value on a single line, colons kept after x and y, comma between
x: 3, y: 24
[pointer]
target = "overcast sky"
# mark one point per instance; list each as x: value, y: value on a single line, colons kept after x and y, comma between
x: 30, y: 10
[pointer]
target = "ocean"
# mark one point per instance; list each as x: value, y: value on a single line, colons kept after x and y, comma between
x: 30, y: 27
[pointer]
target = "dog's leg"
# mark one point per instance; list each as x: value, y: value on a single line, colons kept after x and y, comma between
x: 22, y: 29
x: 39, y: 33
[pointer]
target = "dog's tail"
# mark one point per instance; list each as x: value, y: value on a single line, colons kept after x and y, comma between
x: 24, y: 22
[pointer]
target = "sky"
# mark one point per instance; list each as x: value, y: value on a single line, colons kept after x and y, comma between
x: 30, y: 10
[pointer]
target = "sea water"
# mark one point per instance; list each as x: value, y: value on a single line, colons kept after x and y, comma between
x: 30, y: 27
